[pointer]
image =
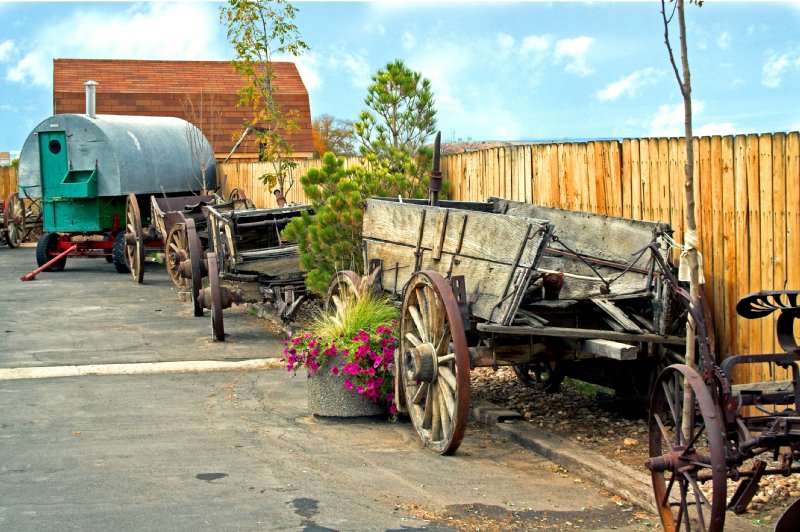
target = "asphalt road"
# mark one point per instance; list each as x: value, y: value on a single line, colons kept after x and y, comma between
x: 223, y: 450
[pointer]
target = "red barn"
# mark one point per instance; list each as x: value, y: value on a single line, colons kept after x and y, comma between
x: 202, y: 92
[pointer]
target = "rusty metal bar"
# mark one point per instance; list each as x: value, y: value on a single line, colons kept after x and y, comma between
x: 32, y: 275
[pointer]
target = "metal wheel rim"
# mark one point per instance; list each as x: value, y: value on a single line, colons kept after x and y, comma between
x: 679, y: 499
x: 14, y: 219
x: 177, y: 250
x: 431, y: 322
x: 217, y: 326
x: 195, y: 256
x: 133, y: 227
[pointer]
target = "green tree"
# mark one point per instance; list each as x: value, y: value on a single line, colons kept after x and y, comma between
x: 330, y: 239
x: 400, y: 114
x: 258, y: 30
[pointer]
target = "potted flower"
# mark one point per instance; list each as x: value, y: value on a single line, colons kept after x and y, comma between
x: 348, y: 355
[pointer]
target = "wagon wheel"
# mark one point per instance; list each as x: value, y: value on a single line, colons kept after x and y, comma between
x: 46, y: 249
x: 344, y: 288
x: 217, y: 327
x: 177, y: 251
x: 134, y: 239
x: 542, y: 376
x: 14, y: 219
x: 679, y: 463
x: 196, y: 258
x: 236, y: 195
x: 433, y: 367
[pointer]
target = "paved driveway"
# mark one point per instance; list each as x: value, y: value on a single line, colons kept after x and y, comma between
x: 222, y: 450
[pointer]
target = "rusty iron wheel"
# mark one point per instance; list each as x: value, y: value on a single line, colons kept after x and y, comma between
x: 177, y: 251
x: 432, y: 367
x: 196, y: 259
x: 217, y: 326
x: 134, y: 239
x: 687, y: 453
x: 14, y: 220
x: 344, y: 288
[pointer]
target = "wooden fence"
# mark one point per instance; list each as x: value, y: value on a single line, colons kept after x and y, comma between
x: 747, y: 193
x: 8, y: 181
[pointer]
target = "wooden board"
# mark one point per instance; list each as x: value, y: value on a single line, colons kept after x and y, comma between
x: 489, y: 250
x: 486, y: 236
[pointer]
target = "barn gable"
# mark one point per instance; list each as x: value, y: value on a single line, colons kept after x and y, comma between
x: 202, y: 92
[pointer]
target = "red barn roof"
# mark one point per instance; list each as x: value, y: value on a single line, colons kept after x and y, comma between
x: 202, y: 92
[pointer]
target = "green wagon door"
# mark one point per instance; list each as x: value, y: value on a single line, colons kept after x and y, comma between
x: 64, y: 209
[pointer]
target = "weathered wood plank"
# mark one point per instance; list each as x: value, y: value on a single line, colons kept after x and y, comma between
x: 768, y: 253
x: 600, y: 236
x: 486, y: 236
x: 627, y: 177
x: 742, y: 234
x: 485, y: 281
x: 617, y: 315
x: 756, y: 265
x: 566, y: 332
x: 779, y: 229
x: 609, y: 349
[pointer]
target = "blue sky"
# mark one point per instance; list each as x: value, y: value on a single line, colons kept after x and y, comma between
x: 499, y: 70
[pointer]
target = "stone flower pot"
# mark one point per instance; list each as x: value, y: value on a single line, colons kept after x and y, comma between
x: 327, y: 396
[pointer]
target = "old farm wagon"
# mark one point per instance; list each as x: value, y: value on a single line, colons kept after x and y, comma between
x: 93, y: 172
x: 506, y: 283
x: 249, y: 262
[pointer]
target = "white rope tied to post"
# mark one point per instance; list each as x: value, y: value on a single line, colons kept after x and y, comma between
x: 692, y: 241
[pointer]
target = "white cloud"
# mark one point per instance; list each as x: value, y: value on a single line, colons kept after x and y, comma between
x: 669, y: 119
x: 713, y: 128
x: 308, y: 66
x: 6, y: 47
x: 724, y: 40
x: 535, y: 44
x: 356, y: 65
x: 574, y: 51
x: 777, y: 65
x: 505, y: 45
x: 629, y: 84
x: 177, y: 31
x: 409, y: 41
x: 33, y: 69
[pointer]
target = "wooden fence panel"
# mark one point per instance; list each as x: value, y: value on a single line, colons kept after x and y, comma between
x: 8, y: 181
x: 747, y: 205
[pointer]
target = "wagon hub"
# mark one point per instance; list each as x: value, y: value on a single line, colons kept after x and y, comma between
x: 679, y: 460
x: 420, y: 363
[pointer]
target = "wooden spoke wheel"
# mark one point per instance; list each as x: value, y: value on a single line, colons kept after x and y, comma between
x: 543, y: 376
x: 432, y: 369
x: 177, y: 251
x: 14, y: 220
x: 217, y: 326
x: 196, y: 260
x: 343, y: 290
x: 687, y: 453
x: 134, y: 239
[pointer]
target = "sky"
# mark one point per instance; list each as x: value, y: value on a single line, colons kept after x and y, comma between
x: 505, y: 71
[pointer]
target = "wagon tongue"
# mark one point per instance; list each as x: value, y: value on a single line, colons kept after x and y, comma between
x: 435, y: 177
